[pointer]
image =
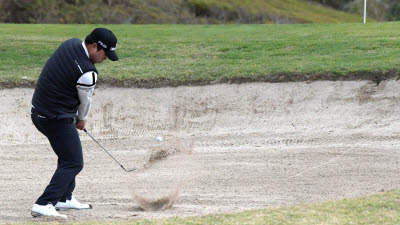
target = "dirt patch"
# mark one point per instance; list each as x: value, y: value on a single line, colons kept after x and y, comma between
x: 376, y: 77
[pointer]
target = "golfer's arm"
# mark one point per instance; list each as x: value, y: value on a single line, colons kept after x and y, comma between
x: 85, y: 87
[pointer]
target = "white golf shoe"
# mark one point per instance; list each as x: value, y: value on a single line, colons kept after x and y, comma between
x: 72, y: 204
x: 46, y: 210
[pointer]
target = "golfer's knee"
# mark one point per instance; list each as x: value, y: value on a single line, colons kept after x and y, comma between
x: 79, y: 167
x: 75, y: 167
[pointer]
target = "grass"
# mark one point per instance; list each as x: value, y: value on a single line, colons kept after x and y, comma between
x: 174, y: 11
x: 271, y: 11
x: 299, y: 10
x: 193, y: 53
x: 375, y: 209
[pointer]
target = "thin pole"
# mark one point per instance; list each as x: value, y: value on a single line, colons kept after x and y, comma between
x: 365, y: 11
x: 107, y: 152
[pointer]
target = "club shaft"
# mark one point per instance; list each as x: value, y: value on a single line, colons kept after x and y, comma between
x: 106, y: 151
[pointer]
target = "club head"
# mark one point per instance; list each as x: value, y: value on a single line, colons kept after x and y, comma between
x: 128, y: 170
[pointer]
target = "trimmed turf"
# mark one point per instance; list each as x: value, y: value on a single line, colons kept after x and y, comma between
x: 191, y: 53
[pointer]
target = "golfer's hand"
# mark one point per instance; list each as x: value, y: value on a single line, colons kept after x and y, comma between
x: 80, y: 124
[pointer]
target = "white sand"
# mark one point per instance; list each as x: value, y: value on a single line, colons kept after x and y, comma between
x: 255, y: 145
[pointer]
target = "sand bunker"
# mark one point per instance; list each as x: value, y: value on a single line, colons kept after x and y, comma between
x: 257, y: 145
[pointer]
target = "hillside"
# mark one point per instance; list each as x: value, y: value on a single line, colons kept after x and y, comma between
x: 171, y: 12
x: 382, y: 10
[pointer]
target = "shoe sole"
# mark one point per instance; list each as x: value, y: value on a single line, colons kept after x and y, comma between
x: 63, y: 209
x: 35, y: 214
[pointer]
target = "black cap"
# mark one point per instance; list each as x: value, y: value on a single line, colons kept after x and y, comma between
x: 106, y: 39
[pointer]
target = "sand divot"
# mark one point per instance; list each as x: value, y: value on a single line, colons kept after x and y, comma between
x: 159, y: 204
x: 168, y: 148
x: 172, y: 147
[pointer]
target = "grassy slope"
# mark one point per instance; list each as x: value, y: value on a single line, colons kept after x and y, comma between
x: 191, y: 53
x: 187, y: 11
x: 298, y: 10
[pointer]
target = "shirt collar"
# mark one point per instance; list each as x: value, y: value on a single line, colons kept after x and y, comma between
x: 84, y: 47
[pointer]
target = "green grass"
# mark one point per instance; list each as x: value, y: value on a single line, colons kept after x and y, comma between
x: 376, y: 209
x: 193, y: 53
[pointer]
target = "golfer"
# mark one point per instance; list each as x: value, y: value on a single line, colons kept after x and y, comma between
x: 60, y: 104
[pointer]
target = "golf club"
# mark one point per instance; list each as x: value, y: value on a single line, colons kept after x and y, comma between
x: 108, y: 152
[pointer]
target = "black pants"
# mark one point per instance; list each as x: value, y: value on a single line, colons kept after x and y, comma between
x: 64, y: 139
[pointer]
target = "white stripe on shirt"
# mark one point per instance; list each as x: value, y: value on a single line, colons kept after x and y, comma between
x: 85, y: 87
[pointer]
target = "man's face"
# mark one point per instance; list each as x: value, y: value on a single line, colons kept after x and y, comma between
x: 97, y: 56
